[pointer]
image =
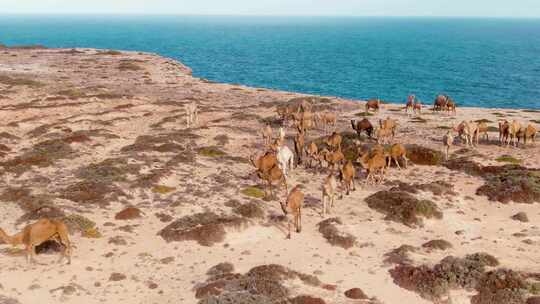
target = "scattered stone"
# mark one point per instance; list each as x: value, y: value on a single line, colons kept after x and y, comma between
x: 118, y: 240
x: 128, y: 214
x: 115, y: 277
x: 520, y: 216
x: 356, y: 294
x: 437, y: 244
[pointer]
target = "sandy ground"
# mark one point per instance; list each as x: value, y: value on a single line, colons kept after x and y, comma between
x: 85, y: 90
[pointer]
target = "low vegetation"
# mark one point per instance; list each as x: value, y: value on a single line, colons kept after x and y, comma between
x: 402, y: 207
x: 206, y: 228
x: 329, y: 228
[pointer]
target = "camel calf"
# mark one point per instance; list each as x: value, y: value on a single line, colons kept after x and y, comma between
x: 36, y: 234
x: 347, y: 174
x: 530, y: 132
x: 192, y: 114
x: 329, y: 189
x: 292, y: 208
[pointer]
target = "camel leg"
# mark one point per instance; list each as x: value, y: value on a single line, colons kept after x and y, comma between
x: 397, y: 163
x: 323, y: 204
x: 299, y: 220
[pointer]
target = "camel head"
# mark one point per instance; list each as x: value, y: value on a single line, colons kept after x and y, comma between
x: 254, y: 160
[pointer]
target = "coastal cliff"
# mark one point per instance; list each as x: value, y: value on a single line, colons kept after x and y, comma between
x: 98, y: 138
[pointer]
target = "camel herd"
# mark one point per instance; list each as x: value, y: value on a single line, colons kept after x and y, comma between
x: 275, y: 164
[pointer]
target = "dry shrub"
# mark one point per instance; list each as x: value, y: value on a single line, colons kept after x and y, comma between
x: 43, y: 154
x: 97, y: 182
x: 424, y: 156
x: 329, y: 229
x: 205, y: 228
x: 503, y: 183
x: 6, y: 80
x: 261, y: 285
x: 212, y: 152
x: 399, y: 255
x: 128, y: 213
x: 516, y: 184
x: 129, y: 66
x: 437, y: 188
x: 450, y: 273
x: 109, y: 52
x: 165, y: 142
x: 402, y: 207
x: 304, y: 299
x: 249, y: 210
x: 439, y: 244
x: 501, y: 286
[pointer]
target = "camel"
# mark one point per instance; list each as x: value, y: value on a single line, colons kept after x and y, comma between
x: 192, y: 114
x: 292, y: 208
x: 374, y: 104
x: 362, y: 125
x: 36, y: 234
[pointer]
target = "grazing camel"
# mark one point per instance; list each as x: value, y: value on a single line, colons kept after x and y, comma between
x: 275, y: 174
x: 292, y: 208
x: 470, y: 129
x: 334, y: 141
x: 530, y: 132
x: 504, y: 131
x: 36, y: 234
x: 374, y: 104
x: 362, y: 125
x: 329, y: 189
x: 267, y: 135
x: 192, y: 114
x: 440, y: 103
x: 397, y: 151
x: 347, y: 174
x: 312, y: 152
x: 450, y: 106
x: 483, y: 129
x: 410, y: 104
x: 515, y: 127
x: 333, y: 159
x: 265, y: 162
x: 390, y: 124
x: 417, y: 107
x: 448, y: 141
x: 299, y: 143
x: 373, y: 163
x: 383, y: 135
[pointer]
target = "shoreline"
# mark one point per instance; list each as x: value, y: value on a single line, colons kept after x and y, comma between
x: 91, y: 133
x: 430, y: 103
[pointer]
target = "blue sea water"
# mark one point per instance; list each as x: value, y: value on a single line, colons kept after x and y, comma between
x: 479, y: 62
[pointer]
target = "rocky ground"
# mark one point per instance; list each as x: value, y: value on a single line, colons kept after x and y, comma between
x: 163, y: 214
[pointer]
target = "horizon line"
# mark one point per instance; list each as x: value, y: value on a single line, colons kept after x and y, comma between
x: 259, y: 15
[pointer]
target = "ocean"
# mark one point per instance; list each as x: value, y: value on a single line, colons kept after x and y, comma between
x: 478, y: 62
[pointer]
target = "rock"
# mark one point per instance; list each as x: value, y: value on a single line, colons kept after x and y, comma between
x: 128, y: 214
x: 118, y: 240
x: 221, y: 268
x: 520, y: 216
x: 152, y: 285
x: 115, y: 277
x: 437, y: 244
x: 167, y: 260
x: 356, y: 294
x: 533, y: 300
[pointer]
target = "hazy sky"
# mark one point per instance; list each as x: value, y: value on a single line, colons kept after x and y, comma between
x: 494, y: 8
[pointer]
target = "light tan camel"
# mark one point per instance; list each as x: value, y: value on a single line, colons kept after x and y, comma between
x: 36, y: 234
